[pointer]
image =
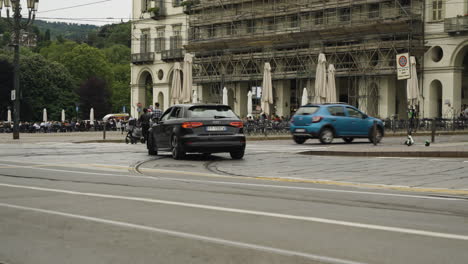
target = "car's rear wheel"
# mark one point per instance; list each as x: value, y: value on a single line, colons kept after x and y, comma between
x: 378, y: 136
x: 151, y: 146
x: 348, y: 139
x: 326, y: 136
x: 299, y: 140
x: 239, y: 154
x: 177, y: 152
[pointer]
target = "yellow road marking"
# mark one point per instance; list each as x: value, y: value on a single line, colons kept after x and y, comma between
x: 263, y: 178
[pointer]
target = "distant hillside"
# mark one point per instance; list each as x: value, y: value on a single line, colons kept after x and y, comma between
x: 75, y: 32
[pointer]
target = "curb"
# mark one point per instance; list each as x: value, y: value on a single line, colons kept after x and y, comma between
x: 415, y: 154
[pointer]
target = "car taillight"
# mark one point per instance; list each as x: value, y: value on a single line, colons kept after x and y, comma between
x: 237, y: 124
x: 316, y: 119
x: 192, y: 124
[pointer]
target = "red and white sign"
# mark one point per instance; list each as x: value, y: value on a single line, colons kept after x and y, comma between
x: 403, y: 66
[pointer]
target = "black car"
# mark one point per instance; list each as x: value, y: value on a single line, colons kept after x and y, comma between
x: 199, y: 128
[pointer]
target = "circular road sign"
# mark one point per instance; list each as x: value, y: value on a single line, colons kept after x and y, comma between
x: 403, y: 61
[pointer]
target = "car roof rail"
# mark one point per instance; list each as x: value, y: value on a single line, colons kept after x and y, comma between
x: 335, y: 103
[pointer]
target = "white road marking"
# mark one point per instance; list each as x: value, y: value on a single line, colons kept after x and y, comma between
x: 238, y: 183
x: 187, y: 235
x: 252, y: 212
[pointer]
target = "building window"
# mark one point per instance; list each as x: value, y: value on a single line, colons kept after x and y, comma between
x: 176, y: 3
x: 145, y: 5
x: 437, y: 10
x: 160, y: 40
x: 345, y: 14
x: 374, y: 11
x: 270, y: 24
x: 293, y: 21
x: 319, y: 18
x: 250, y: 26
x: 176, y: 39
x: 145, y: 42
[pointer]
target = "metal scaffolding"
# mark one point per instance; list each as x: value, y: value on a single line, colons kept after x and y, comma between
x: 232, y: 39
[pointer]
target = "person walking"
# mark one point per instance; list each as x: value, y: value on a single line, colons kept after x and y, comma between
x: 157, y: 113
x: 144, y: 120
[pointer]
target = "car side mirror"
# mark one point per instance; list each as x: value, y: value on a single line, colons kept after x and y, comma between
x: 365, y: 116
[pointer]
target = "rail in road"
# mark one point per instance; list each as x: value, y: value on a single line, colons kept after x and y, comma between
x: 112, y: 214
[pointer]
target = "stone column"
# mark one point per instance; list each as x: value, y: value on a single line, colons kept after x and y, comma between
x: 387, y: 96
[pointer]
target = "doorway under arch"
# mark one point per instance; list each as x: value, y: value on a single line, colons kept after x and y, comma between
x: 145, y: 86
x: 435, y: 99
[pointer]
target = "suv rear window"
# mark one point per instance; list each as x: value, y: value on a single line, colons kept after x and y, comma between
x: 211, y: 112
x: 307, y: 110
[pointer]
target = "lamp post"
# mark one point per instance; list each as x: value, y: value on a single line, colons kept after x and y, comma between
x: 17, y: 25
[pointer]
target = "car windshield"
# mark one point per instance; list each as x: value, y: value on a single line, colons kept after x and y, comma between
x: 211, y: 112
x: 307, y: 110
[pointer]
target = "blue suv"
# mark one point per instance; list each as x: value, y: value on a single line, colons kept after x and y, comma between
x: 328, y: 121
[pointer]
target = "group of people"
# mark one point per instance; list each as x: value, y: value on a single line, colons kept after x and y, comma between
x: 66, y: 126
x: 149, y: 115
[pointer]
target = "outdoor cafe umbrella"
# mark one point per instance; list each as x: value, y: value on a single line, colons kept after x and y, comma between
x: 63, y: 116
x: 249, y: 103
x: 9, y: 116
x: 187, y: 86
x: 412, y: 86
x: 176, y: 85
x: 331, y: 85
x: 267, y: 92
x: 225, y: 96
x: 305, y: 97
x: 321, y: 80
x: 91, y: 115
x: 195, y: 97
x: 44, y: 115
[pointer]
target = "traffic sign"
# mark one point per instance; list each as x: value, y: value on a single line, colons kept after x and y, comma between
x: 403, y: 66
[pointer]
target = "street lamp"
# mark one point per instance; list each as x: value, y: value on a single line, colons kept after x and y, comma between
x: 17, y: 25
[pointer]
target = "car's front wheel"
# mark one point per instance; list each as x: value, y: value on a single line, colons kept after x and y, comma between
x: 239, y: 154
x: 151, y: 146
x: 348, y: 139
x: 177, y: 152
x: 326, y: 136
x: 299, y: 140
x: 378, y: 136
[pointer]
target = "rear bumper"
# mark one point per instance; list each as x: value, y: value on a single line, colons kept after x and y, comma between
x: 213, y: 144
x: 304, y: 131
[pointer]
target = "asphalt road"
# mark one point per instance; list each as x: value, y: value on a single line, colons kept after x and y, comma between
x: 111, y: 203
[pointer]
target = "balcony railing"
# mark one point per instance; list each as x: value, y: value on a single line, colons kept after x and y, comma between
x: 143, y: 58
x: 456, y: 24
x: 173, y: 54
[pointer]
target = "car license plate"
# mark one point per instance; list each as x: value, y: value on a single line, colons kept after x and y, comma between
x: 300, y: 130
x: 216, y: 128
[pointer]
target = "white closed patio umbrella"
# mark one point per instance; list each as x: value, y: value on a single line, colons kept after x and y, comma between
x: 91, y: 115
x: 176, y: 86
x: 9, y: 116
x: 321, y: 80
x: 63, y: 116
x: 195, y: 97
x: 412, y: 85
x: 331, y: 85
x: 305, y: 97
x: 44, y: 115
x: 187, y: 86
x: 249, y: 103
x: 225, y: 96
x: 267, y: 91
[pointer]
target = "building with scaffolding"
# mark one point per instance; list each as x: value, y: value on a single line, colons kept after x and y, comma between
x: 232, y: 39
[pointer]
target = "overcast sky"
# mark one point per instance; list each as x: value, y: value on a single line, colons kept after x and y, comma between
x: 96, y: 12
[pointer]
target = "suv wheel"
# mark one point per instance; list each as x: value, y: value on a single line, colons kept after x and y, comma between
x: 348, y: 139
x: 378, y: 136
x: 299, y: 140
x: 326, y: 136
x: 237, y: 154
x: 177, y: 152
x: 152, y: 150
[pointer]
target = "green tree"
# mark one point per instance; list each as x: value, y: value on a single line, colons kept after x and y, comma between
x: 121, y: 87
x: 117, y: 54
x: 44, y: 84
x: 56, y: 51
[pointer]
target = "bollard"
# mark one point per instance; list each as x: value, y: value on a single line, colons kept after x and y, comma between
x: 433, y: 130
x: 104, y: 132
